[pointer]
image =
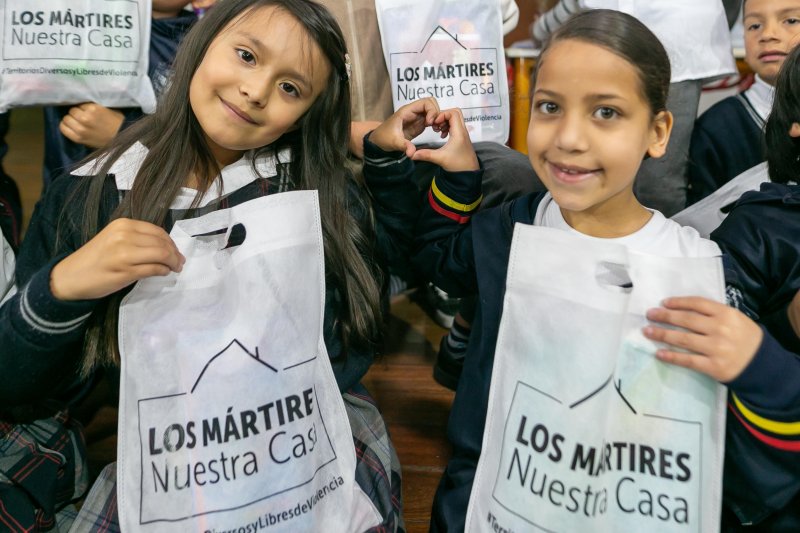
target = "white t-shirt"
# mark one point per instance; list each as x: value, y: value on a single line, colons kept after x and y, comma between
x: 660, y: 236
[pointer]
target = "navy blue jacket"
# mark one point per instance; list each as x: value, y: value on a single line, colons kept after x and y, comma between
x: 761, y: 239
x: 726, y: 140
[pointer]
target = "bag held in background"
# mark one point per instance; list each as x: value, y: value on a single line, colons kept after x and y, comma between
x: 451, y: 50
x: 586, y: 430
x: 74, y: 51
x: 230, y: 416
x: 706, y: 215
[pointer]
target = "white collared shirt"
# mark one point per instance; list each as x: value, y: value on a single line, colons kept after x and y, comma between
x: 761, y: 95
x: 233, y: 177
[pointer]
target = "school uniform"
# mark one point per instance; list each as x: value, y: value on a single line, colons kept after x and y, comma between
x: 762, y: 463
x: 42, y: 337
x: 695, y: 59
x: 728, y: 139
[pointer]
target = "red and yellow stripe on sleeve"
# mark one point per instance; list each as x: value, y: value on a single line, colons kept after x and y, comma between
x: 776, y: 434
x: 446, y: 206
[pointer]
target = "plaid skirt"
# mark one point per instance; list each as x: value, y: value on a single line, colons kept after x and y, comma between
x: 377, y: 473
x: 42, y: 471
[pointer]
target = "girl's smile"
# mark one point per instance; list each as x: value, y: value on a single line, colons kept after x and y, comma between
x: 571, y: 173
x: 237, y: 113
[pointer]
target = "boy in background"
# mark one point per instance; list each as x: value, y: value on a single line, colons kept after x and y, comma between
x: 729, y: 138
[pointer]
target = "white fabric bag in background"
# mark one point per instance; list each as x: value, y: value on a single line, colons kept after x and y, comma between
x: 706, y: 215
x: 74, y: 51
x: 230, y: 416
x: 586, y: 430
x: 452, y: 50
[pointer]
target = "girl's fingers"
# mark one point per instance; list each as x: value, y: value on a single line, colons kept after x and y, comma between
x: 149, y: 270
x: 696, y: 362
x: 697, y: 304
x: 428, y: 155
x: 689, y: 341
x: 691, y: 320
x: 156, y: 255
x: 432, y: 110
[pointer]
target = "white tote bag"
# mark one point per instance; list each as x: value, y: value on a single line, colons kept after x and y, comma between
x: 73, y: 51
x: 452, y: 50
x: 586, y: 430
x: 230, y: 416
x: 706, y: 215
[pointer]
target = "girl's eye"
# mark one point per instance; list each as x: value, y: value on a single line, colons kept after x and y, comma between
x: 606, y: 113
x: 753, y: 27
x: 792, y: 21
x: 289, y: 89
x: 245, y: 56
x: 548, y: 108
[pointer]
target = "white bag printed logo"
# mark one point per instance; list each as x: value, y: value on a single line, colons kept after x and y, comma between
x: 69, y: 52
x: 452, y: 51
x: 586, y: 430
x: 230, y: 416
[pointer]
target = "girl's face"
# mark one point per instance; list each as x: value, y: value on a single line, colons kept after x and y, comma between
x: 257, y: 79
x: 590, y: 128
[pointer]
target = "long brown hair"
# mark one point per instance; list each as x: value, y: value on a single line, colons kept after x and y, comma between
x: 177, y: 148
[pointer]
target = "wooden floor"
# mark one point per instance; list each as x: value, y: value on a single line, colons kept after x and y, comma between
x: 414, y: 406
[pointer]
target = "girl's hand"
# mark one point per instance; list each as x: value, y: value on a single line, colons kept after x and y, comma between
x: 91, y: 124
x: 794, y: 314
x: 457, y: 153
x: 397, y: 131
x: 123, y: 252
x: 721, y: 340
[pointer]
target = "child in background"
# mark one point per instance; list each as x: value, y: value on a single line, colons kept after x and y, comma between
x: 254, y: 78
x: 599, y: 108
x: 72, y: 132
x: 729, y: 138
x: 760, y: 363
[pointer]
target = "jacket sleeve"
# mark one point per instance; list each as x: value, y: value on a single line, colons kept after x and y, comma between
x: 41, y: 337
x: 443, y: 247
x: 395, y: 198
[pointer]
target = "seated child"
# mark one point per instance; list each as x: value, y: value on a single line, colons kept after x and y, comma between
x: 255, y: 82
x: 599, y: 108
x: 729, y: 137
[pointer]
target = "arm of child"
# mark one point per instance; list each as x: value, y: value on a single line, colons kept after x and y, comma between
x: 723, y: 343
x: 91, y: 124
x: 720, y: 340
x: 443, y: 247
x: 124, y: 251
